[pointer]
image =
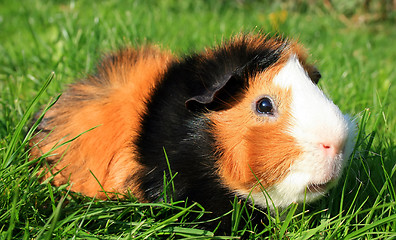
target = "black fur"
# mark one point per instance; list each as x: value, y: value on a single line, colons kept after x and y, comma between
x: 174, y: 121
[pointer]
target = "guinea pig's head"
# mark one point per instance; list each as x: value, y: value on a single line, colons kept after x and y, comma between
x: 277, y: 128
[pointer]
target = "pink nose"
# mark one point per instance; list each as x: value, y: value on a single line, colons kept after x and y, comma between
x: 329, y: 149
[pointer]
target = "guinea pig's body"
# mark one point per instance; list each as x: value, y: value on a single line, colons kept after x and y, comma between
x: 244, y: 113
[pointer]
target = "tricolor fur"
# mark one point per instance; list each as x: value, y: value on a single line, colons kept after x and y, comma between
x: 202, y: 109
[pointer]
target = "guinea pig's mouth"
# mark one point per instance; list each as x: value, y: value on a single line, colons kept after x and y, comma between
x: 318, y: 187
x: 324, y: 185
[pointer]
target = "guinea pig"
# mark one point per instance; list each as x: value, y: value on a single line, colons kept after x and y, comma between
x: 233, y: 120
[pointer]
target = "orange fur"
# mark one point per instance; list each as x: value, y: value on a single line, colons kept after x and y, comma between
x: 111, y: 104
x: 253, y: 146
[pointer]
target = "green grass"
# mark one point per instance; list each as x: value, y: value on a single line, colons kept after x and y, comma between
x: 357, y: 61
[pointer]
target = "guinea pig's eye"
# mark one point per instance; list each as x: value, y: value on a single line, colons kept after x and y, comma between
x: 265, y: 106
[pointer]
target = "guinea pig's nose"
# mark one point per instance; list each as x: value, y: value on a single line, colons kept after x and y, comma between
x: 330, y: 149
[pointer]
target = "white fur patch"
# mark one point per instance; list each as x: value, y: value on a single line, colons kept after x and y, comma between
x: 316, y: 122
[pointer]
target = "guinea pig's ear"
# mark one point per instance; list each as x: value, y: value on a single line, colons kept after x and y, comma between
x: 219, y: 96
x: 314, y: 74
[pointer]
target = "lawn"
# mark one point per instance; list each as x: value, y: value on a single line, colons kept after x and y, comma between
x: 45, y: 45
